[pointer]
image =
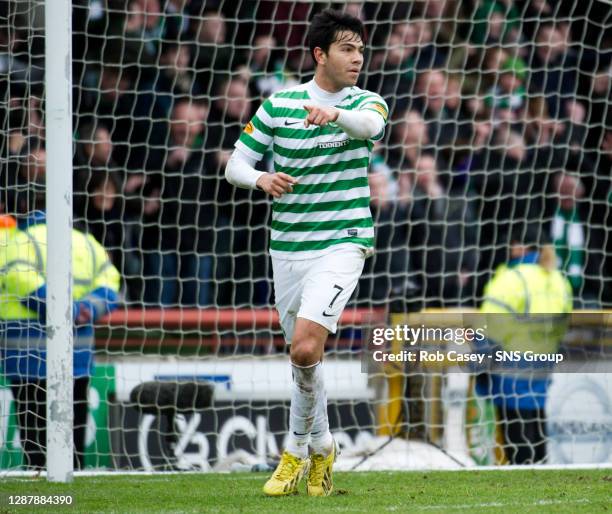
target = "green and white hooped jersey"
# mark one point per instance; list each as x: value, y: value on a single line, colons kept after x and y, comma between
x: 331, y: 203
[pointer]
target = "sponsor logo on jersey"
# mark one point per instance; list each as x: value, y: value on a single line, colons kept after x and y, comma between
x: 249, y: 128
x: 333, y: 144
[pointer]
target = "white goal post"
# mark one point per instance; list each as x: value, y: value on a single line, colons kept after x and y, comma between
x: 58, y: 88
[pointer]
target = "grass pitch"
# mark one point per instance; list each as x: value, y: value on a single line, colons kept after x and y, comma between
x: 436, y: 491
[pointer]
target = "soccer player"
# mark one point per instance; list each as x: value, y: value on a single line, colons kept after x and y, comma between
x: 322, y: 134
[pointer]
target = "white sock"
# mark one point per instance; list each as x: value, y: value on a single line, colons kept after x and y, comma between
x: 321, y: 440
x: 302, y: 409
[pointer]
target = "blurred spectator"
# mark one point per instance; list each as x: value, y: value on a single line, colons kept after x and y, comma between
x: 104, y: 213
x: 479, y: 146
x: 287, y: 22
x: 532, y: 14
x: 26, y: 118
x: 554, y: 68
x: 393, y: 71
x: 493, y: 58
x: 390, y: 73
x: 599, y: 108
x: 431, y: 88
x: 211, y: 54
x: 174, y: 77
x: 442, y: 114
x: 568, y: 139
x: 240, y: 216
x: 94, y: 151
x: 378, y: 165
x: 428, y: 54
x: 115, y: 218
x: 444, y: 17
x: 176, y: 21
x: 109, y: 96
x: 178, y: 222
x: 411, y: 138
x: 93, y: 156
x: 385, y: 275
x: 267, y: 70
x: 568, y: 233
x: 495, y: 22
x: 447, y: 238
x: 499, y: 173
x: 144, y: 30
x: 13, y: 140
x: 26, y: 181
x: 104, y: 201
x: 15, y: 70
x: 507, y: 99
x: 539, y: 128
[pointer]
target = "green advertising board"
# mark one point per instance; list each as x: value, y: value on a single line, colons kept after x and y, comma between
x: 97, y: 442
x: 480, y: 426
x: 10, y: 447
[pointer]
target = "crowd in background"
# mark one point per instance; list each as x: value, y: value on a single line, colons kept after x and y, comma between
x: 500, y: 113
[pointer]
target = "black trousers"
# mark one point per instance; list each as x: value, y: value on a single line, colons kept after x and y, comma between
x: 31, y: 403
x: 524, y: 434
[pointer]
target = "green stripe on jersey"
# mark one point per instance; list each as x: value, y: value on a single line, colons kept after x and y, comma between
x: 361, y: 100
x: 268, y: 107
x: 294, y: 95
x: 287, y: 112
x: 306, y: 246
x: 313, y: 226
x: 261, y: 126
x: 324, y: 168
x: 326, y: 187
x: 252, y: 143
x: 298, y: 208
x: 299, y: 132
x: 314, y: 152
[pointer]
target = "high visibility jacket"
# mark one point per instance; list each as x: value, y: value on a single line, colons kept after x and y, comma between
x: 527, y: 308
x: 23, y: 263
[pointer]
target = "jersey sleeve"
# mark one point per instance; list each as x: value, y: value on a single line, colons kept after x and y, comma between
x: 375, y: 103
x: 258, y: 133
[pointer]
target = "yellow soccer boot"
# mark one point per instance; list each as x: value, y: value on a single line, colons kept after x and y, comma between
x: 286, y: 476
x: 320, y: 481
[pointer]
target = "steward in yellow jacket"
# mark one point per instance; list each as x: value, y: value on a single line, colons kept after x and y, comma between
x: 527, y: 303
x: 23, y: 300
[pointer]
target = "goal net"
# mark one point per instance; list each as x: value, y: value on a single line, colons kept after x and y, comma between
x: 499, y: 137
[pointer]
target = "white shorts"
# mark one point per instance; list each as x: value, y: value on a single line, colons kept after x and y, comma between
x: 316, y: 289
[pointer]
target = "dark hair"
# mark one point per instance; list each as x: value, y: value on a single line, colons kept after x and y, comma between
x: 325, y: 26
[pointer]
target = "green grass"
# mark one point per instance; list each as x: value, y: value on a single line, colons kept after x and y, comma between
x: 518, y: 491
